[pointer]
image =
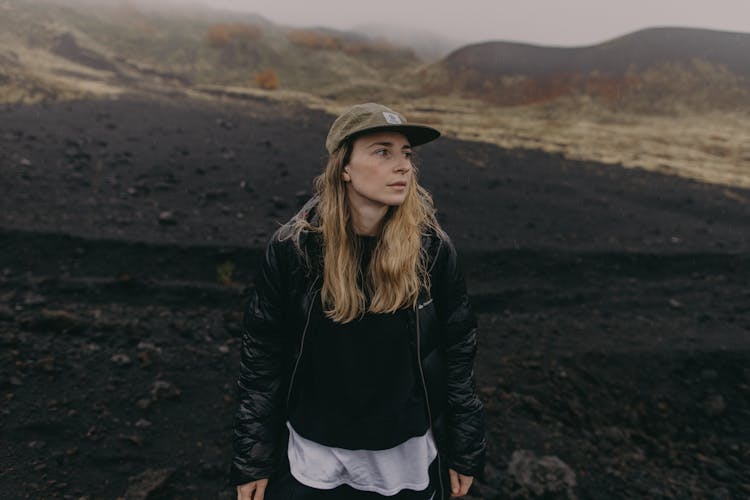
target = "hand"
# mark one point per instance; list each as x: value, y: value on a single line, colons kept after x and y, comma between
x: 255, y: 490
x: 459, y: 483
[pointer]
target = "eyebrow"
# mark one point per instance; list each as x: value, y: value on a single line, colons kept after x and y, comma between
x: 389, y: 144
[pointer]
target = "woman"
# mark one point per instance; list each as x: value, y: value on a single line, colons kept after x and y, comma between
x: 356, y: 376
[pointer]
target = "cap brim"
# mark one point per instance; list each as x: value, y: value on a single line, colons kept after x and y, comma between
x: 417, y: 134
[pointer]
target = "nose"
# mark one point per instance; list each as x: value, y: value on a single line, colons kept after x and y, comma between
x: 403, y: 165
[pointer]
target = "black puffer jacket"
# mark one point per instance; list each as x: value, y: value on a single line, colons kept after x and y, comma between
x: 276, y: 322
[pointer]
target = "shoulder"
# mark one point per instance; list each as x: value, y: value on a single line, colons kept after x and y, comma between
x: 295, y: 242
x: 439, y: 247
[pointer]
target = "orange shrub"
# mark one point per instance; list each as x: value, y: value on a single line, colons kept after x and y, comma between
x: 313, y: 39
x: 267, y: 79
x: 219, y: 35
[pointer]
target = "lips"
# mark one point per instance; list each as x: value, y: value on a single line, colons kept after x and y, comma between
x: 400, y: 183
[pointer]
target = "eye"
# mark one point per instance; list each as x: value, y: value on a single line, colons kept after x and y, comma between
x: 383, y: 152
x: 408, y: 154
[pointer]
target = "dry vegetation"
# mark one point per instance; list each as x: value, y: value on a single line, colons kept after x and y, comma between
x: 220, y: 35
x: 312, y: 39
x: 708, y: 146
x: 267, y: 79
x: 32, y: 75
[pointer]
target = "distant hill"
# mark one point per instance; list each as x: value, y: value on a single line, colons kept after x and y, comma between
x: 55, y: 48
x: 658, y: 59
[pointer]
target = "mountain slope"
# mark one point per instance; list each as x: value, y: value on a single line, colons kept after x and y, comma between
x: 655, y: 61
x: 50, y: 49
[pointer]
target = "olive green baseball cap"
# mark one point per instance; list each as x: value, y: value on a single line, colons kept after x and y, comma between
x: 373, y: 117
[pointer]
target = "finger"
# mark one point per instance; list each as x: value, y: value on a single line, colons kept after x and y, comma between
x: 454, y: 482
x: 465, y: 483
x: 260, y: 492
x: 244, y: 493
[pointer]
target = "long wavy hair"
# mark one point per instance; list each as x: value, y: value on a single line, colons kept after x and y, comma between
x: 398, y: 266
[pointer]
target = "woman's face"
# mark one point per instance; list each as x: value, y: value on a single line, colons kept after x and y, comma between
x: 379, y: 170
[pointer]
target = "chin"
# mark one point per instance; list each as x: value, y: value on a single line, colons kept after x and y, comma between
x: 396, y: 202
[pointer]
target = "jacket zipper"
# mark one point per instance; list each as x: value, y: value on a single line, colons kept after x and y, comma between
x: 302, y: 342
x: 426, y: 397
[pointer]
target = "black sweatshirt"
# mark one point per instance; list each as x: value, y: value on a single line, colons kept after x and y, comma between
x: 359, y: 387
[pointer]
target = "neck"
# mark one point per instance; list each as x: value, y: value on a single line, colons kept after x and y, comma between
x: 366, y: 218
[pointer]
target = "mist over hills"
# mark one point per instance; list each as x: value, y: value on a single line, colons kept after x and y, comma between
x: 428, y: 45
x: 113, y: 43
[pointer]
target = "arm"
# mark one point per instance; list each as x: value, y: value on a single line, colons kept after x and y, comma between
x: 465, y: 422
x: 257, y: 421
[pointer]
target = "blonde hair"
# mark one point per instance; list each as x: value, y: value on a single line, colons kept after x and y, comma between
x: 398, y: 266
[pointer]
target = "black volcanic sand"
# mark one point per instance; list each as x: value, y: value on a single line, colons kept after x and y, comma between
x: 613, y: 303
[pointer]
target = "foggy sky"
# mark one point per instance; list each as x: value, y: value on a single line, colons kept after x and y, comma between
x: 547, y: 22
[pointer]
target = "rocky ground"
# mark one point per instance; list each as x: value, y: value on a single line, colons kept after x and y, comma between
x: 612, y: 303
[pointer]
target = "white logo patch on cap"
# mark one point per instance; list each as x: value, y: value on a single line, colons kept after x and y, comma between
x: 391, y: 118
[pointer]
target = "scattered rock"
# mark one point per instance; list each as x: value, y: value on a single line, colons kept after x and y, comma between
x: 167, y: 218
x: 714, y: 406
x: 614, y: 435
x: 145, y: 358
x: 531, y: 404
x: 492, y: 484
x: 147, y: 352
x: 211, y: 470
x: 245, y: 186
x: 721, y: 472
x: 149, y: 484
x: 121, y: 359
x: 215, y: 194
x: 148, y: 346
x: 34, y: 299
x: 55, y: 320
x: 143, y: 404
x: 6, y: 313
x: 135, y: 439
x: 225, y: 124
x: 46, y: 364
x: 543, y: 476
x: 279, y: 203
x: 163, y: 389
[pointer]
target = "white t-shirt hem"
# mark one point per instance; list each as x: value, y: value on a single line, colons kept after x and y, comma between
x: 374, y: 489
x: 408, y: 459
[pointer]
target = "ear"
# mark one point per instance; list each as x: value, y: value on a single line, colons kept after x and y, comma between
x: 345, y: 174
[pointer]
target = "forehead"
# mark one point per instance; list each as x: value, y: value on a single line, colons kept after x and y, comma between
x: 396, y: 138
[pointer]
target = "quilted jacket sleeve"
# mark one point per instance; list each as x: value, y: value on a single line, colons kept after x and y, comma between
x: 465, y: 417
x: 258, y: 420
